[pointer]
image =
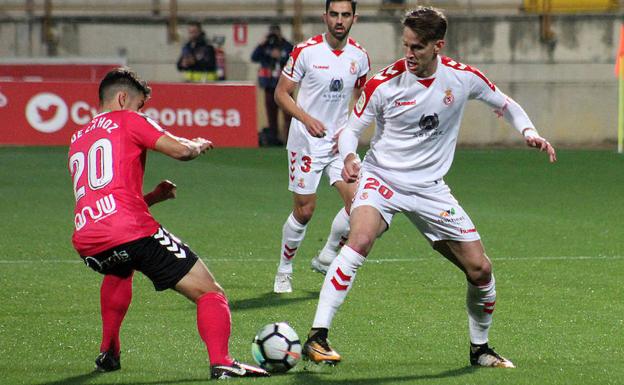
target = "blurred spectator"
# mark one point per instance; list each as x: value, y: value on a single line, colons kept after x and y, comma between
x: 272, y: 54
x: 198, y: 60
x: 219, y: 41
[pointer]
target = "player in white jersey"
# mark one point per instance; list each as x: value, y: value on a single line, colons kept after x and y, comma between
x: 329, y: 70
x: 417, y: 104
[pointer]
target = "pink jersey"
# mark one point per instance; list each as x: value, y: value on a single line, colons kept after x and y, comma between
x: 106, y: 162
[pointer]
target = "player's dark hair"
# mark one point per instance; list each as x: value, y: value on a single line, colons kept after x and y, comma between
x: 122, y: 78
x: 353, y: 4
x: 428, y: 23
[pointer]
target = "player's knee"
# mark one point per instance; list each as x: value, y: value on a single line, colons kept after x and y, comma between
x: 304, y: 213
x: 362, y: 243
x: 480, y: 273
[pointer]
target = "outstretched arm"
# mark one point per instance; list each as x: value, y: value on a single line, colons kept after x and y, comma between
x: 163, y: 191
x: 182, y: 148
x: 533, y: 139
x: 518, y: 118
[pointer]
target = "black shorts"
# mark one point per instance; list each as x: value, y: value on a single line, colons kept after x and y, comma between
x: 162, y: 257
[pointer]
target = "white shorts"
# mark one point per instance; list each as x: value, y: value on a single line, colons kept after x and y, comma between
x: 433, y: 209
x: 305, y: 171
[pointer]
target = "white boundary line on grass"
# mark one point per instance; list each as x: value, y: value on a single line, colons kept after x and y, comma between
x: 387, y: 260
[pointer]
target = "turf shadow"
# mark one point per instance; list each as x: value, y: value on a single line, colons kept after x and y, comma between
x: 307, y: 377
x: 271, y: 300
x: 84, y: 379
x: 75, y: 380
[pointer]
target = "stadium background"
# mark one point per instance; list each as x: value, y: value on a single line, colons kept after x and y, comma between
x: 554, y: 56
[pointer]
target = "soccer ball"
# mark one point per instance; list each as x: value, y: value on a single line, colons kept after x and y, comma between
x: 276, y: 347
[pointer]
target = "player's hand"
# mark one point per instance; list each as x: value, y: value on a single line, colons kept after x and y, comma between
x: 204, y: 144
x: 351, y: 169
x: 166, y: 189
x: 335, y: 139
x: 163, y: 191
x: 542, y: 145
x: 315, y: 127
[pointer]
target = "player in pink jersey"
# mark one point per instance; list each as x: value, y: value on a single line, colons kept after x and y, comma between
x: 115, y: 234
x: 329, y: 70
x: 417, y: 104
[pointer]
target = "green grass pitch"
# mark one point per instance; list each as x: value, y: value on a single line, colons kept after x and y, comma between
x: 555, y: 234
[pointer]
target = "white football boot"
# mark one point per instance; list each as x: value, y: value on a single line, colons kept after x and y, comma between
x: 283, y: 283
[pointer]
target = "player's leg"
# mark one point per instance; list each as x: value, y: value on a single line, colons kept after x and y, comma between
x: 293, y: 233
x: 115, y: 298
x: 304, y: 176
x: 452, y: 233
x: 214, y: 322
x: 371, y: 215
x: 171, y: 264
x: 339, y: 231
x: 470, y: 257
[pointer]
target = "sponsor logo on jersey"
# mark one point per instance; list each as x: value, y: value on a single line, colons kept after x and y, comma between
x: 429, y: 122
x: 401, y: 103
x: 320, y: 67
x: 448, y: 216
x: 447, y: 213
x: 104, y: 207
x: 468, y: 231
x: 448, y: 97
x: 336, y: 85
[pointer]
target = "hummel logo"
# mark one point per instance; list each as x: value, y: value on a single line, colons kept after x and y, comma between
x: 400, y: 103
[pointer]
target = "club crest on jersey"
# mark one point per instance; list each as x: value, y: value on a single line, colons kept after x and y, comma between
x: 336, y: 85
x: 301, y: 183
x: 364, y: 196
x: 429, y: 122
x: 353, y: 68
x: 449, y: 98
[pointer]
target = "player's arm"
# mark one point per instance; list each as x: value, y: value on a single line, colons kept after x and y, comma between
x: 284, y: 98
x: 182, y: 148
x: 362, y: 116
x: 512, y: 112
x: 163, y: 191
x: 518, y: 118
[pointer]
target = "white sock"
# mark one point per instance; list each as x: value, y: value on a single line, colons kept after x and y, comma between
x: 337, y: 237
x: 480, y: 301
x: 338, y: 282
x: 292, y: 236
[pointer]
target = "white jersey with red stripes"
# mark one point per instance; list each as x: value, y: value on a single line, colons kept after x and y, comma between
x: 418, y: 120
x: 326, y: 80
